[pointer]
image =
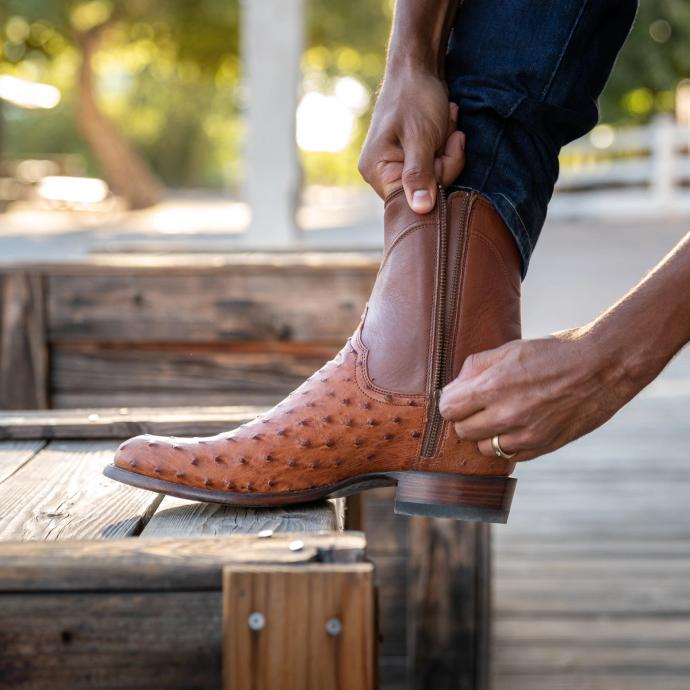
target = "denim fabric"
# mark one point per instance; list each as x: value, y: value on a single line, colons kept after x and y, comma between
x: 526, y: 75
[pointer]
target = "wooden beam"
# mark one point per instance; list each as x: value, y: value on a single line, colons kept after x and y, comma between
x: 160, y: 564
x: 98, y: 374
x: 304, y: 303
x: 123, y: 422
x: 308, y: 628
x: 23, y: 350
x: 448, y: 605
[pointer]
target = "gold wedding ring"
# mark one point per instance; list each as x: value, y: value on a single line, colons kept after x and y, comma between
x: 500, y: 453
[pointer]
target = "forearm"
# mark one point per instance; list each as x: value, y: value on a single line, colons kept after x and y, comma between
x: 648, y: 326
x: 420, y: 35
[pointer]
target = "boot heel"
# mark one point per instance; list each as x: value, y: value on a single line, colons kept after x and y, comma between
x: 455, y: 496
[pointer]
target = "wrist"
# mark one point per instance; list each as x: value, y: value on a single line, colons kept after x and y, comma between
x: 626, y: 361
x: 412, y: 63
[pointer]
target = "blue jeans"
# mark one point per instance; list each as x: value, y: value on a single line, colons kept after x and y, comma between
x: 526, y: 75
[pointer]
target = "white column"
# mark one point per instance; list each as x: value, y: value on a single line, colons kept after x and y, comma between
x: 272, y: 38
x: 663, y: 162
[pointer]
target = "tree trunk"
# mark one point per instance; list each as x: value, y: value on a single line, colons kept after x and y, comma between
x: 123, y: 168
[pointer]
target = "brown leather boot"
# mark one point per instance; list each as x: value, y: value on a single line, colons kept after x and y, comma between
x: 448, y: 286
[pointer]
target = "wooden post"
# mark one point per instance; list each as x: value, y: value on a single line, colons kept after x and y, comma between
x: 272, y: 41
x: 299, y: 628
x: 448, y: 605
x: 23, y: 352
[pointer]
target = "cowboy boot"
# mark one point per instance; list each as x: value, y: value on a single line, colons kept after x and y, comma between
x: 448, y: 286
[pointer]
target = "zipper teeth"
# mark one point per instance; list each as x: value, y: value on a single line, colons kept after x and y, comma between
x: 432, y: 429
x: 453, y: 295
x: 444, y: 337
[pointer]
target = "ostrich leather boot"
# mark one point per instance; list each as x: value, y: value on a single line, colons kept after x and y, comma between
x: 448, y: 286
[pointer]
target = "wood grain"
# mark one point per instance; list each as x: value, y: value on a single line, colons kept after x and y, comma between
x: 448, y: 605
x: 182, y: 518
x: 15, y: 454
x: 61, y: 494
x: 101, y: 374
x: 23, y: 352
x: 111, y: 640
x: 278, y: 656
x: 254, y: 303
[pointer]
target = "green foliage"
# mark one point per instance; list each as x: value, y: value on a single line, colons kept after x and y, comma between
x: 654, y: 59
x: 169, y: 75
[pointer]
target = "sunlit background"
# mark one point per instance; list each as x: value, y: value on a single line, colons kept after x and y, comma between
x: 165, y: 85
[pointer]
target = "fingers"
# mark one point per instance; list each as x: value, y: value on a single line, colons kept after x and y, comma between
x: 387, y: 162
x: 467, y: 394
x: 459, y: 402
x: 453, y: 111
x: 423, y: 169
x: 418, y: 178
x: 452, y: 162
x: 483, y: 424
x: 519, y: 443
x: 508, y: 442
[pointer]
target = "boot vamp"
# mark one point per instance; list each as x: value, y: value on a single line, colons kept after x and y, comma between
x: 335, y: 426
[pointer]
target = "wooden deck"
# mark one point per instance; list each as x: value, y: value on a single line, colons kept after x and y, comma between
x: 592, y: 573
x: 433, y: 576
x: 592, y: 576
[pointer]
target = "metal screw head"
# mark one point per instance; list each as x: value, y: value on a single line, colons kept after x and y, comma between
x: 256, y: 621
x: 265, y: 534
x: 334, y: 626
x: 296, y: 545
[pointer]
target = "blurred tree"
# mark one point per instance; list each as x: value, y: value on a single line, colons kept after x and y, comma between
x: 199, y: 33
x: 159, y: 83
x: 655, y: 57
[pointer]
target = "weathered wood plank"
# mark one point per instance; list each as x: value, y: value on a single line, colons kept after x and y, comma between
x: 393, y: 673
x: 61, y: 494
x: 23, y: 350
x: 574, y: 680
x: 111, y: 640
x: 315, y: 659
x: 247, y: 374
x: 160, y: 564
x: 15, y: 454
x: 181, y: 518
x: 593, y: 644
x: 256, y: 303
x: 123, y: 422
x: 448, y: 605
x: 392, y: 574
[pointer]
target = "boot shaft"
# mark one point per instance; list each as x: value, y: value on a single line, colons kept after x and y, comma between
x: 448, y: 286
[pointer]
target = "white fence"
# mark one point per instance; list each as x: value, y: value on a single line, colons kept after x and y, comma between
x: 638, y: 172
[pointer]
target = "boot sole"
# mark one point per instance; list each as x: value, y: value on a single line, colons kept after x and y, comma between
x: 431, y: 494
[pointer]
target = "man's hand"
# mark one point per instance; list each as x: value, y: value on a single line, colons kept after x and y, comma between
x: 537, y: 395
x: 413, y: 141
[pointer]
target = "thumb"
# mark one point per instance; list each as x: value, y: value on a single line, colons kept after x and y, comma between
x: 418, y: 177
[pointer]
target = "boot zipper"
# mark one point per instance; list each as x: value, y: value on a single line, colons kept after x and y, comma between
x: 446, y: 305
